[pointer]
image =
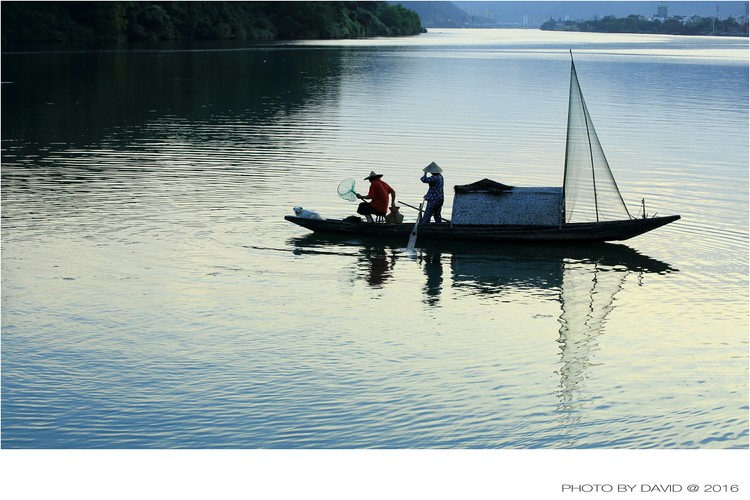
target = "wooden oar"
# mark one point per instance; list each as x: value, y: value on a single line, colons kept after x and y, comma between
x: 420, y: 210
x: 413, y: 235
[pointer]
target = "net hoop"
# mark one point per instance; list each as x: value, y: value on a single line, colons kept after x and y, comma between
x: 346, y: 190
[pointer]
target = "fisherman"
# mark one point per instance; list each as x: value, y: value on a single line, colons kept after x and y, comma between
x: 378, y: 196
x: 434, y: 196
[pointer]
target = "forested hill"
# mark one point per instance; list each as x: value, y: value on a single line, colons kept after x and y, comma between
x: 153, y: 21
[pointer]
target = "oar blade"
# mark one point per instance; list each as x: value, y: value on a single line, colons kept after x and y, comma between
x: 412, y: 239
x: 413, y: 235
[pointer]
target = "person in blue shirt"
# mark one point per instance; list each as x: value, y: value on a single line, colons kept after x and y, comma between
x: 434, y: 196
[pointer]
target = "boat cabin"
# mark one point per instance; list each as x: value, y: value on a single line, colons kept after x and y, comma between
x: 490, y: 202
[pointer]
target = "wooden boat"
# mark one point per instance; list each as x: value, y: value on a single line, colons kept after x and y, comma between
x: 587, y: 208
x: 573, y: 232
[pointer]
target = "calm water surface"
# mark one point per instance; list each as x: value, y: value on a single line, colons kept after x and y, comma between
x: 154, y: 297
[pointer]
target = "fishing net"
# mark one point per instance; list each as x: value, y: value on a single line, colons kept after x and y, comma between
x: 346, y: 190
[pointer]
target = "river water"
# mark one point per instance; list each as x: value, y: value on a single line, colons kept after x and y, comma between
x: 154, y: 297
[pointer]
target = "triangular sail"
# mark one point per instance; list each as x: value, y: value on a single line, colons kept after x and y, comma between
x: 590, y: 191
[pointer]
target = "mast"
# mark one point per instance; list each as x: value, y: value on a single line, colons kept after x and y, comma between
x: 567, y: 139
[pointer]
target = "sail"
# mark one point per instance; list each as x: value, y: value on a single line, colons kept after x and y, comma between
x: 589, y: 189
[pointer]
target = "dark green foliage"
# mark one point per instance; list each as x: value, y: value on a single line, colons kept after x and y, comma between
x: 153, y: 21
x: 400, y: 21
x: 640, y: 24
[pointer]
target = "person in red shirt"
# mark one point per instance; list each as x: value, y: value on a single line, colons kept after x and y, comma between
x: 378, y: 196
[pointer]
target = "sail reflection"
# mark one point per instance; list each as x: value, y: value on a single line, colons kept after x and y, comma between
x: 586, y: 299
x: 584, y: 280
x: 584, y: 286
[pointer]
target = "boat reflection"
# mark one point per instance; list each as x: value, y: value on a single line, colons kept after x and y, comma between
x: 490, y: 270
x: 375, y: 265
x: 584, y: 280
x: 432, y: 264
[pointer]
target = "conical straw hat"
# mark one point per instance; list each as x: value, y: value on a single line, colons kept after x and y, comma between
x: 433, y: 168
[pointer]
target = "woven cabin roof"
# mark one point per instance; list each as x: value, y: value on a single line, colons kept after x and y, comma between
x: 485, y: 185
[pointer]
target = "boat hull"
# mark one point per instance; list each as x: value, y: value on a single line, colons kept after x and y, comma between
x: 573, y: 233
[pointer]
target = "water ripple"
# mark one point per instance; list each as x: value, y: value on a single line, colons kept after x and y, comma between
x: 153, y: 295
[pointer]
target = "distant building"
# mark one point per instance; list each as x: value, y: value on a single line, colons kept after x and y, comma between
x: 661, y: 11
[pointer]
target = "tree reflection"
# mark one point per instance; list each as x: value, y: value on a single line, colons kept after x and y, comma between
x: 79, y: 98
